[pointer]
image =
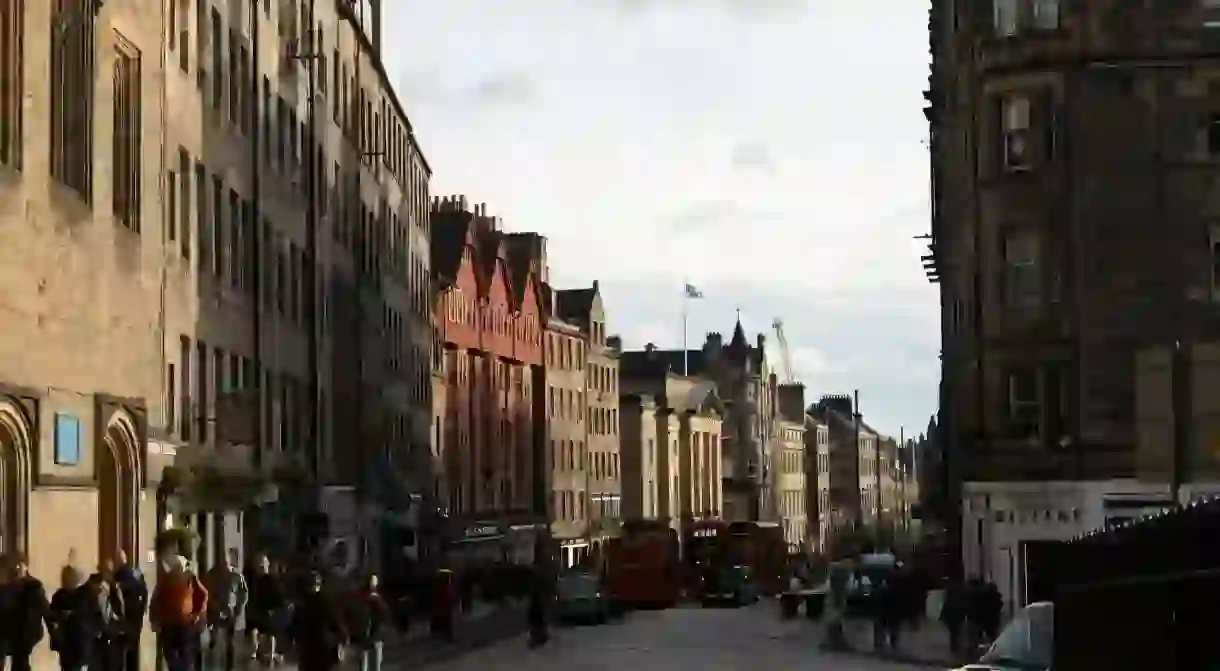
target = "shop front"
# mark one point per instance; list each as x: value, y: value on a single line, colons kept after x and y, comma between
x: 493, y: 558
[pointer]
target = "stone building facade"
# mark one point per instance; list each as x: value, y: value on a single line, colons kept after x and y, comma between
x: 743, y: 381
x: 794, y: 484
x: 644, y: 449
x: 1057, y: 135
x: 789, y: 462
x: 491, y: 326
x: 674, y: 468
x: 565, y: 355
x: 584, y: 309
x: 311, y: 322
x: 82, y: 270
x: 819, y: 511
x: 852, y: 498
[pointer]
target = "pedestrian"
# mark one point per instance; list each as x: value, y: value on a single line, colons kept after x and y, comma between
x: 227, y: 597
x: 176, y: 611
x: 370, y: 618
x: 881, y: 604
x: 894, y: 608
x: 317, y: 629
x: 266, y: 611
x: 443, y: 598
x: 540, y: 598
x: 134, y: 590
x: 111, y: 650
x: 28, y: 611
x: 76, y: 621
x: 953, y: 614
x: 975, y: 608
x: 992, y: 606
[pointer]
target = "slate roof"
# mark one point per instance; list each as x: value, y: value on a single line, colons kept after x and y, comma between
x: 575, y: 304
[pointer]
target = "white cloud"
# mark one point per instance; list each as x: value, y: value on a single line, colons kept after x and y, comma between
x: 618, y: 139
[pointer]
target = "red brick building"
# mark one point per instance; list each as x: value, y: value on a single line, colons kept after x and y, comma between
x: 489, y: 330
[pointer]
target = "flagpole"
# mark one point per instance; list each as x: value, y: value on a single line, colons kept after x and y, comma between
x: 685, y: 350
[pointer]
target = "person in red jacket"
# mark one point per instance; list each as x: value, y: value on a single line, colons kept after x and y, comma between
x: 176, y: 613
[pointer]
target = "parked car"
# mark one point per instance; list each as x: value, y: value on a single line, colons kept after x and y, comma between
x: 733, y: 584
x: 1025, y: 644
x: 580, y: 598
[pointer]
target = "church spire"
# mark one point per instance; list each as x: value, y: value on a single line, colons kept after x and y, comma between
x: 739, y: 346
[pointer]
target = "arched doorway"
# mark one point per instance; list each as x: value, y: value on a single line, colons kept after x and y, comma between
x: 14, y: 476
x: 118, y: 489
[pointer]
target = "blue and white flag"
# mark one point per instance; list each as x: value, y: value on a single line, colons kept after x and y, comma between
x: 690, y: 291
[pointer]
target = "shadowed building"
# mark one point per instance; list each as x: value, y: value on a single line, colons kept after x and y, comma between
x: 1059, y: 131
x: 852, y: 491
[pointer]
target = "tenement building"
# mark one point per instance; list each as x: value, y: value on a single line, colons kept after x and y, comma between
x: 298, y: 324
x: 584, y: 309
x: 82, y: 266
x: 491, y: 326
x: 565, y: 354
x: 1059, y: 131
x: 846, y: 475
x: 791, y: 479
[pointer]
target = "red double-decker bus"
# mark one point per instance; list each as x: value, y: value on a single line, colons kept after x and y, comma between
x: 761, y: 546
x: 642, y: 568
x: 700, y: 541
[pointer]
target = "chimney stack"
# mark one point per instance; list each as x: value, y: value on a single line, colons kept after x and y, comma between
x: 792, y: 401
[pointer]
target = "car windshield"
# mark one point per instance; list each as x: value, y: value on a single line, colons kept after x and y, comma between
x: 578, y: 585
x: 1027, y: 641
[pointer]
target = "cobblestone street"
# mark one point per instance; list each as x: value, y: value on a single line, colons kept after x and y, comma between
x: 673, y: 640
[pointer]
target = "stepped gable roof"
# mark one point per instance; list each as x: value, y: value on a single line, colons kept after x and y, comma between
x: 489, y: 254
x: 450, y: 237
x: 575, y: 304
x: 520, y: 269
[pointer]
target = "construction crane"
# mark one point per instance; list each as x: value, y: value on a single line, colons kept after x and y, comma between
x: 785, y: 356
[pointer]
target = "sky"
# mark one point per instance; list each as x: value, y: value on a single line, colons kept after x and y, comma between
x: 772, y: 153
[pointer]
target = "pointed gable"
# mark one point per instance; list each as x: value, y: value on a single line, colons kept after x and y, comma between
x: 451, y: 239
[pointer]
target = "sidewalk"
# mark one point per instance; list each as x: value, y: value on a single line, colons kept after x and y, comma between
x: 927, y: 644
x: 483, y: 625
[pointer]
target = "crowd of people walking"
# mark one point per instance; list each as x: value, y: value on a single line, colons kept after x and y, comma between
x: 97, y: 622
x: 225, y: 615
x: 972, y: 614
